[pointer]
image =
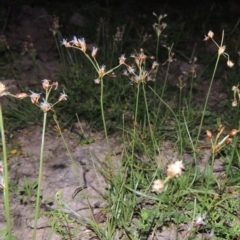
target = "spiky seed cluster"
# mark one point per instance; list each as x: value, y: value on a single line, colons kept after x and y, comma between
x: 137, y: 72
x: 221, y: 48
x: 45, y: 106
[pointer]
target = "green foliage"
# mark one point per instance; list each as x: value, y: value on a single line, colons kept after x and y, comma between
x: 60, y: 222
x: 28, y: 192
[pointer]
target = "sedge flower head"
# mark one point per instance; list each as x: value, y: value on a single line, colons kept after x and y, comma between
x: 94, y: 52
x: 154, y: 65
x: 21, y: 95
x: 34, y: 97
x: 45, y: 106
x: 221, y: 50
x: 55, y: 85
x: 75, y: 42
x: 83, y: 44
x: 63, y: 97
x: 199, y: 220
x: 209, y: 134
x: 233, y: 132
x: 79, y: 42
x: 230, y: 63
x: 101, y: 71
x: 158, y: 186
x: 228, y: 141
x: 45, y: 84
x: 122, y: 59
x: 2, y: 89
x: 209, y: 235
x: 131, y: 69
x: 235, y: 89
x: 175, y: 169
x: 97, y: 81
x: 209, y: 36
x: 65, y: 43
x: 234, y: 103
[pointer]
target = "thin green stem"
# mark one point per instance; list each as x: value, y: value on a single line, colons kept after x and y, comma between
x: 40, y: 176
x: 105, y: 129
x: 5, y: 175
x: 148, y: 116
x: 135, y: 120
x: 206, y: 102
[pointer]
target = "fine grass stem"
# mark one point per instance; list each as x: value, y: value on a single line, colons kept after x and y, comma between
x: 5, y: 176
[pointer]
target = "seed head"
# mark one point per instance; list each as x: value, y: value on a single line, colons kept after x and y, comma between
x: 63, y: 97
x: 75, y: 42
x: 66, y: 43
x: 235, y: 89
x: 230, y: 63
x: 55, y: 85
x: 158, y: 186
x: 45, y: 106
x: 122, y: 59
x: 34, y: 97
x: 97, y: 81
x: 199, y: 220
x: 21, y: 95
x: 2, y: 89
x: 209, y: 36
x: 175, y: 169
x: 45, y: 84
x: 228, y: 141
x: 233, y: 132
x: 94, y: 52
x: 234, y: 103
x: 209, y: 134
x: 154, y: 65
x: 101, y: 71
x: 221, y: 50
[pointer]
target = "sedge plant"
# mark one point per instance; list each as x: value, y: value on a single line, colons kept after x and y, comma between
x: 101, y: 71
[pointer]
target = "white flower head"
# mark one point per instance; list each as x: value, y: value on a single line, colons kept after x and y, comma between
x: 230, y: 63
x: 175, y: 169
x: 94, y: 51
x: 34, y: 97
x: 45, y: 106
x: 63, y: 96
x: 199, y: 220
x: 158, y: 186
x: 97, y: 81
